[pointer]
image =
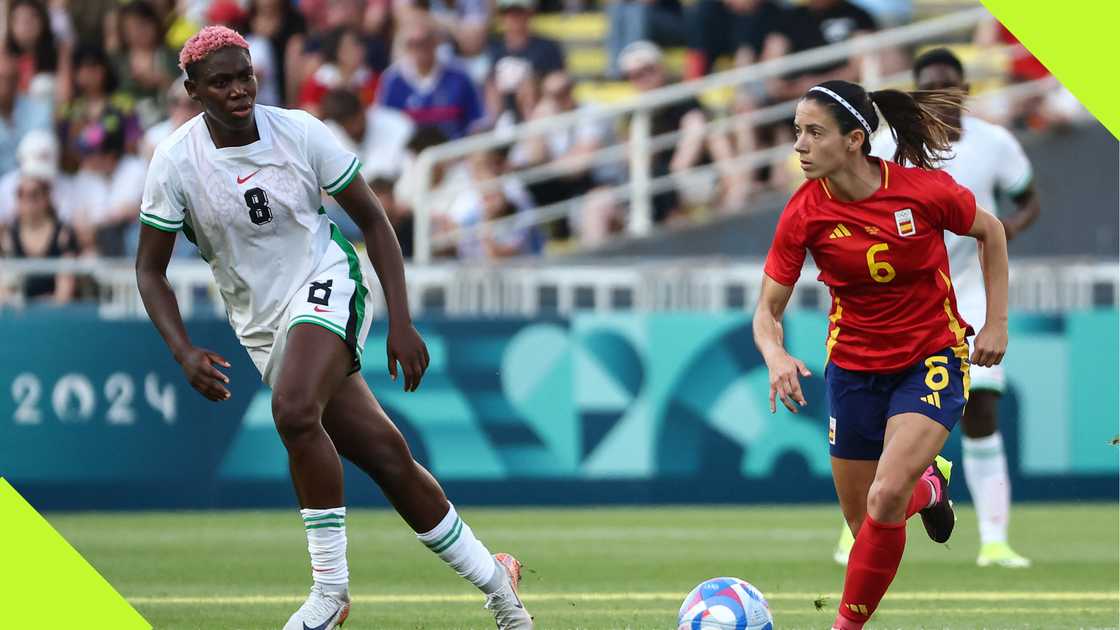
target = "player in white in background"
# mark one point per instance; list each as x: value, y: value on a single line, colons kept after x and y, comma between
x: 244, y: 182
x: 987, y: 160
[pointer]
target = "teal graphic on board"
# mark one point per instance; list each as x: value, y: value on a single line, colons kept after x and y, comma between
x: 680, y: 395
x: 602, y: 399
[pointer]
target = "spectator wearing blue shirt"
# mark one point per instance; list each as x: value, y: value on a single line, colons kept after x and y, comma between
x: 19, y: 113
x: 430, y: 91
x: 517, y: 39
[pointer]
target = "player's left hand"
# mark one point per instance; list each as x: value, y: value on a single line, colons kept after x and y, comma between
x: 989, y: 346
x: 405, y: 346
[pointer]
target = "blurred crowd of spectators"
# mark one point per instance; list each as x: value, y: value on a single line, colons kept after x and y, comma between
x: 87, y: 89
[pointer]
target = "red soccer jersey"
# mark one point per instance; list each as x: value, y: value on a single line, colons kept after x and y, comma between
x: 883, y: 259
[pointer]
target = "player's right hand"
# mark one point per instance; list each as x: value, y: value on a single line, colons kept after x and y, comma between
x: 784, y: 383
x: 404, y: 345
x: 198, y: 365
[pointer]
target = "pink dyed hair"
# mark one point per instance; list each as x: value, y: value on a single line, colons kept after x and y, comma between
x: 207, y: 41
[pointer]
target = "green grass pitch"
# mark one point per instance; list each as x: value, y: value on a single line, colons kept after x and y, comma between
x: 602, y: 569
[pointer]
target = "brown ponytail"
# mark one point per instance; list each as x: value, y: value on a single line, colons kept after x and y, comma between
x: 921, y: 133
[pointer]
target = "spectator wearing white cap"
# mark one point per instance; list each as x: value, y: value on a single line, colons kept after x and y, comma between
x: 38, y: 156
x: 512, y: 92
x: 658, y: 21
x: 641, y: 63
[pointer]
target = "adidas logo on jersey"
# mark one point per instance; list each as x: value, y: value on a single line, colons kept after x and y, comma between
x: 841, y: 231
x: 933, y: 399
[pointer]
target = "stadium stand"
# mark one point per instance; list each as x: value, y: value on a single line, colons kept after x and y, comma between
x: 108, y: 80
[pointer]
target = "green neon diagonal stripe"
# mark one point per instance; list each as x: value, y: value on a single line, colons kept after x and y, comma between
x: 322, y: 525
x: 1077, y: 50
x: 154, y: 219
x: 161, y: 228
x: 443, y: 543
x: 311, y: 319
x: 44, y: 557
x: 323, y: 517
x: 355, y: 273
x: 347, y: 173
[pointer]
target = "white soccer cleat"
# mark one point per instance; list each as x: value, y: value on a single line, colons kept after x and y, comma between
x: 1001, y: 555
x: 321, y: 611
x: 509, y: 612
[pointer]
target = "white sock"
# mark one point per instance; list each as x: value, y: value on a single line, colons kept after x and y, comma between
x: 326, y: 542
x: 985, y: 472
x: 454, y: 542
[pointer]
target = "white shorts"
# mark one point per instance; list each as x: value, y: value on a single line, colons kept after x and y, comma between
x: 335, y: 297
x: 986, y: 378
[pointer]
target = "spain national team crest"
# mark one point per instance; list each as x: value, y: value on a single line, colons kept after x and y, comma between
x: 904, y: 219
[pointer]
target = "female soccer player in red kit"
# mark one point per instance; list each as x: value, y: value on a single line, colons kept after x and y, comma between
x: 897, y: 349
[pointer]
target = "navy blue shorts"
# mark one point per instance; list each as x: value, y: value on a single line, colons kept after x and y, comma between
x: 860, y: 403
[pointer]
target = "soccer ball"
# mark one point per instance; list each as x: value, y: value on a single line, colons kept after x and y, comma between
x: 725, y: 604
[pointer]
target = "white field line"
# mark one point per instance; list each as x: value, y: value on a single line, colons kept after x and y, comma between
x: 402, y: 598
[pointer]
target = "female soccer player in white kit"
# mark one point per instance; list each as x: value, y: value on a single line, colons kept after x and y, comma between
x: 244, y: 182
x: 986, y: 159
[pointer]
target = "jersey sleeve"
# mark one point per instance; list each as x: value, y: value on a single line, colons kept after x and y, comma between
x: 163, y: 205
x: 787, y: 251
x: 1013, y: 173
x: 334, y: 166
x: 954, y: 205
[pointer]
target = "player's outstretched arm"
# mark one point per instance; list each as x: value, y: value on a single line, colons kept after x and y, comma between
x: 784, y: 369
x: 991, y: 342
x: 159, y: 300
x: 404, y: 344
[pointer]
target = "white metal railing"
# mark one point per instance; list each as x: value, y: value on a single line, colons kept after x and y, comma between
x: 640, y: 186
x: 620, y: 192
x: 527, y: 288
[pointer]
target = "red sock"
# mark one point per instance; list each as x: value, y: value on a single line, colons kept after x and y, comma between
x: 872, y: 564
x: 922, y: 495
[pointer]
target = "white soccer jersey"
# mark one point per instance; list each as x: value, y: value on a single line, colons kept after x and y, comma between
x: 254, y: 211
x: 986, y: 159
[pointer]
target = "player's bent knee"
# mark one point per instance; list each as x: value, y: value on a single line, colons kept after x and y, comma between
x: 887, y: 498
x: 295, y: 415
